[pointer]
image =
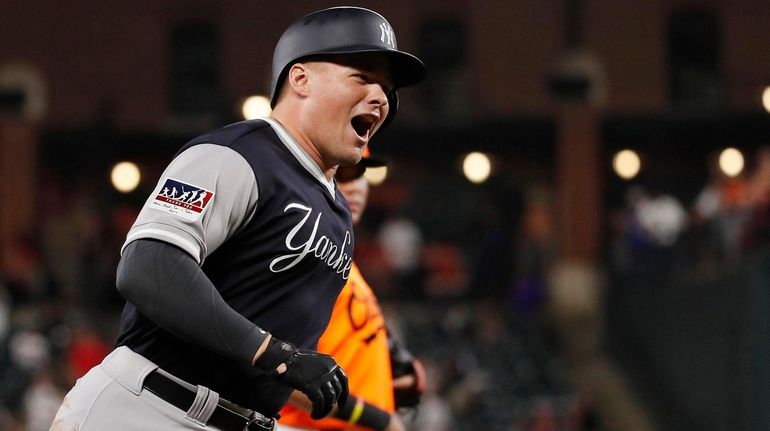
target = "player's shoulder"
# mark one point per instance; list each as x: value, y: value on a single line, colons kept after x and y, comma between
x: 251, y: 125
x: 231, y: 134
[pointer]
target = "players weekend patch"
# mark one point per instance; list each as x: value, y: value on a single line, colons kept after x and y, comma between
x: 181, y: 199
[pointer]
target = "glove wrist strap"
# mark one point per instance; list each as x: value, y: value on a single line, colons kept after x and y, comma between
x: 276, y: 353
x: 344, y: 411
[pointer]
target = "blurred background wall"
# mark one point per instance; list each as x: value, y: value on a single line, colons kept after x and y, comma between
x: 575, y: 287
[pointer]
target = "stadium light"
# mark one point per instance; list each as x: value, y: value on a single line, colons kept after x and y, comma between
x: 477, y: 167
x: 376, y: 176
x: 766, y: 98
x: 731, y: 162
x: 125, y: 177
x: 626, y: 164
x: 255, y: 107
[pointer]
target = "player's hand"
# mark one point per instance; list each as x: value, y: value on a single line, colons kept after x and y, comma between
x: 319, y: 377
x: 314, y: 374
x: 408, y: 376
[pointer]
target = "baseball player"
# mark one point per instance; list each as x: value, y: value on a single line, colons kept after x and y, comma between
x: 227, y: 294
x: 357, y: 338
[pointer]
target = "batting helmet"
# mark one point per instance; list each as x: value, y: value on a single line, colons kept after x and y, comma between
x: 344, y: 30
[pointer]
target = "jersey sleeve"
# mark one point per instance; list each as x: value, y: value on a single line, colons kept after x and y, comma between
x: 203, y: 197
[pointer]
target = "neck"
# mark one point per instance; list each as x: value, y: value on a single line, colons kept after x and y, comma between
x: 290, y: 122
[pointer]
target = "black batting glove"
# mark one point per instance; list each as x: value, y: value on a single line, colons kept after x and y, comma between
x: 314, y: 374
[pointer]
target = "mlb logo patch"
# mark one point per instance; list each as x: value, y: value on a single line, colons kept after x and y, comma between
x: 182, y: 199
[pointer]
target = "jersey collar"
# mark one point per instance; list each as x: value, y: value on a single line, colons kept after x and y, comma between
x: 301, y: 155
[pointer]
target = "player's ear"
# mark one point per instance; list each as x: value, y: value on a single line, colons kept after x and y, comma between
x: 298, y: 79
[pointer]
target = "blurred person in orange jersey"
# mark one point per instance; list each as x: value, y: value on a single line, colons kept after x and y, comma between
x: 383, y: 376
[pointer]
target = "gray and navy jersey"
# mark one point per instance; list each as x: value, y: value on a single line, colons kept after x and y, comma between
x: 269, y: 230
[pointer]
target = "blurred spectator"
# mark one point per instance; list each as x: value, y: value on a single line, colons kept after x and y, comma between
x: 434, y: 413
x: 535, y: 251
x: 759, y: 180
x: 646, y: 234
x: 660, y: 217
x: 25, y: 276
x: 721, y: 209
x: 70, y: 234
x: 28, y: 390
x: 756, y: 233
x: 42, y: 400
x: 86, y: 350
x: 401, y: 240
x: 445, y: 271
x: 29, y: 350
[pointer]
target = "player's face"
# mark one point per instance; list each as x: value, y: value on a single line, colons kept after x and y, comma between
x: 347, y: 104
x: 356, y: 192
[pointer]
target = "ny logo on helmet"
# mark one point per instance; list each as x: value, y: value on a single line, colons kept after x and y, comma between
x: 387, y: 35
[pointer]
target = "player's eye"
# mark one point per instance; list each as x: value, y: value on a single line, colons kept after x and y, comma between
x: 367, y: 79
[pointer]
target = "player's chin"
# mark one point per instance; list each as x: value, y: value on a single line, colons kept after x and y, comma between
x: 353, y: 154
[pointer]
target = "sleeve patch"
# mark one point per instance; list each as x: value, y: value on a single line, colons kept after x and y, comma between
x: 181, y: 199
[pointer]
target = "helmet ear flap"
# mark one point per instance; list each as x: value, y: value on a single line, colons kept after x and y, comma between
x: 275, y: 89
x: 393, y: 104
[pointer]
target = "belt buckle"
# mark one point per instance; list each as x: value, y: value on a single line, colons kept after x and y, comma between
x: 260, y: 422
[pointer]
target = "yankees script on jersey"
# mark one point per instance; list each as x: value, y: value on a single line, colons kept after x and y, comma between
x: 273, y: 235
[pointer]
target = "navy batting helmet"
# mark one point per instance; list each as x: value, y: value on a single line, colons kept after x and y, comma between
x: 344, y: 30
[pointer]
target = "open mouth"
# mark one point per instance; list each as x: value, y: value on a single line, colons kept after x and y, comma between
x: 363, y: 125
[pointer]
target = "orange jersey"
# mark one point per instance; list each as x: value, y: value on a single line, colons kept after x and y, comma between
x: 357, y: 339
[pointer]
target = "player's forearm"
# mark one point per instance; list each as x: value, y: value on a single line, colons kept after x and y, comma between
x: 356, y: 411
x: 168, y: 286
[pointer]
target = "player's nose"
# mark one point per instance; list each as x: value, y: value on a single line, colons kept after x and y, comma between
x: 379, y: 98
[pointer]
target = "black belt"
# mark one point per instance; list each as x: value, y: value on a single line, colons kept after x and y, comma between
x: 227, y: 416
